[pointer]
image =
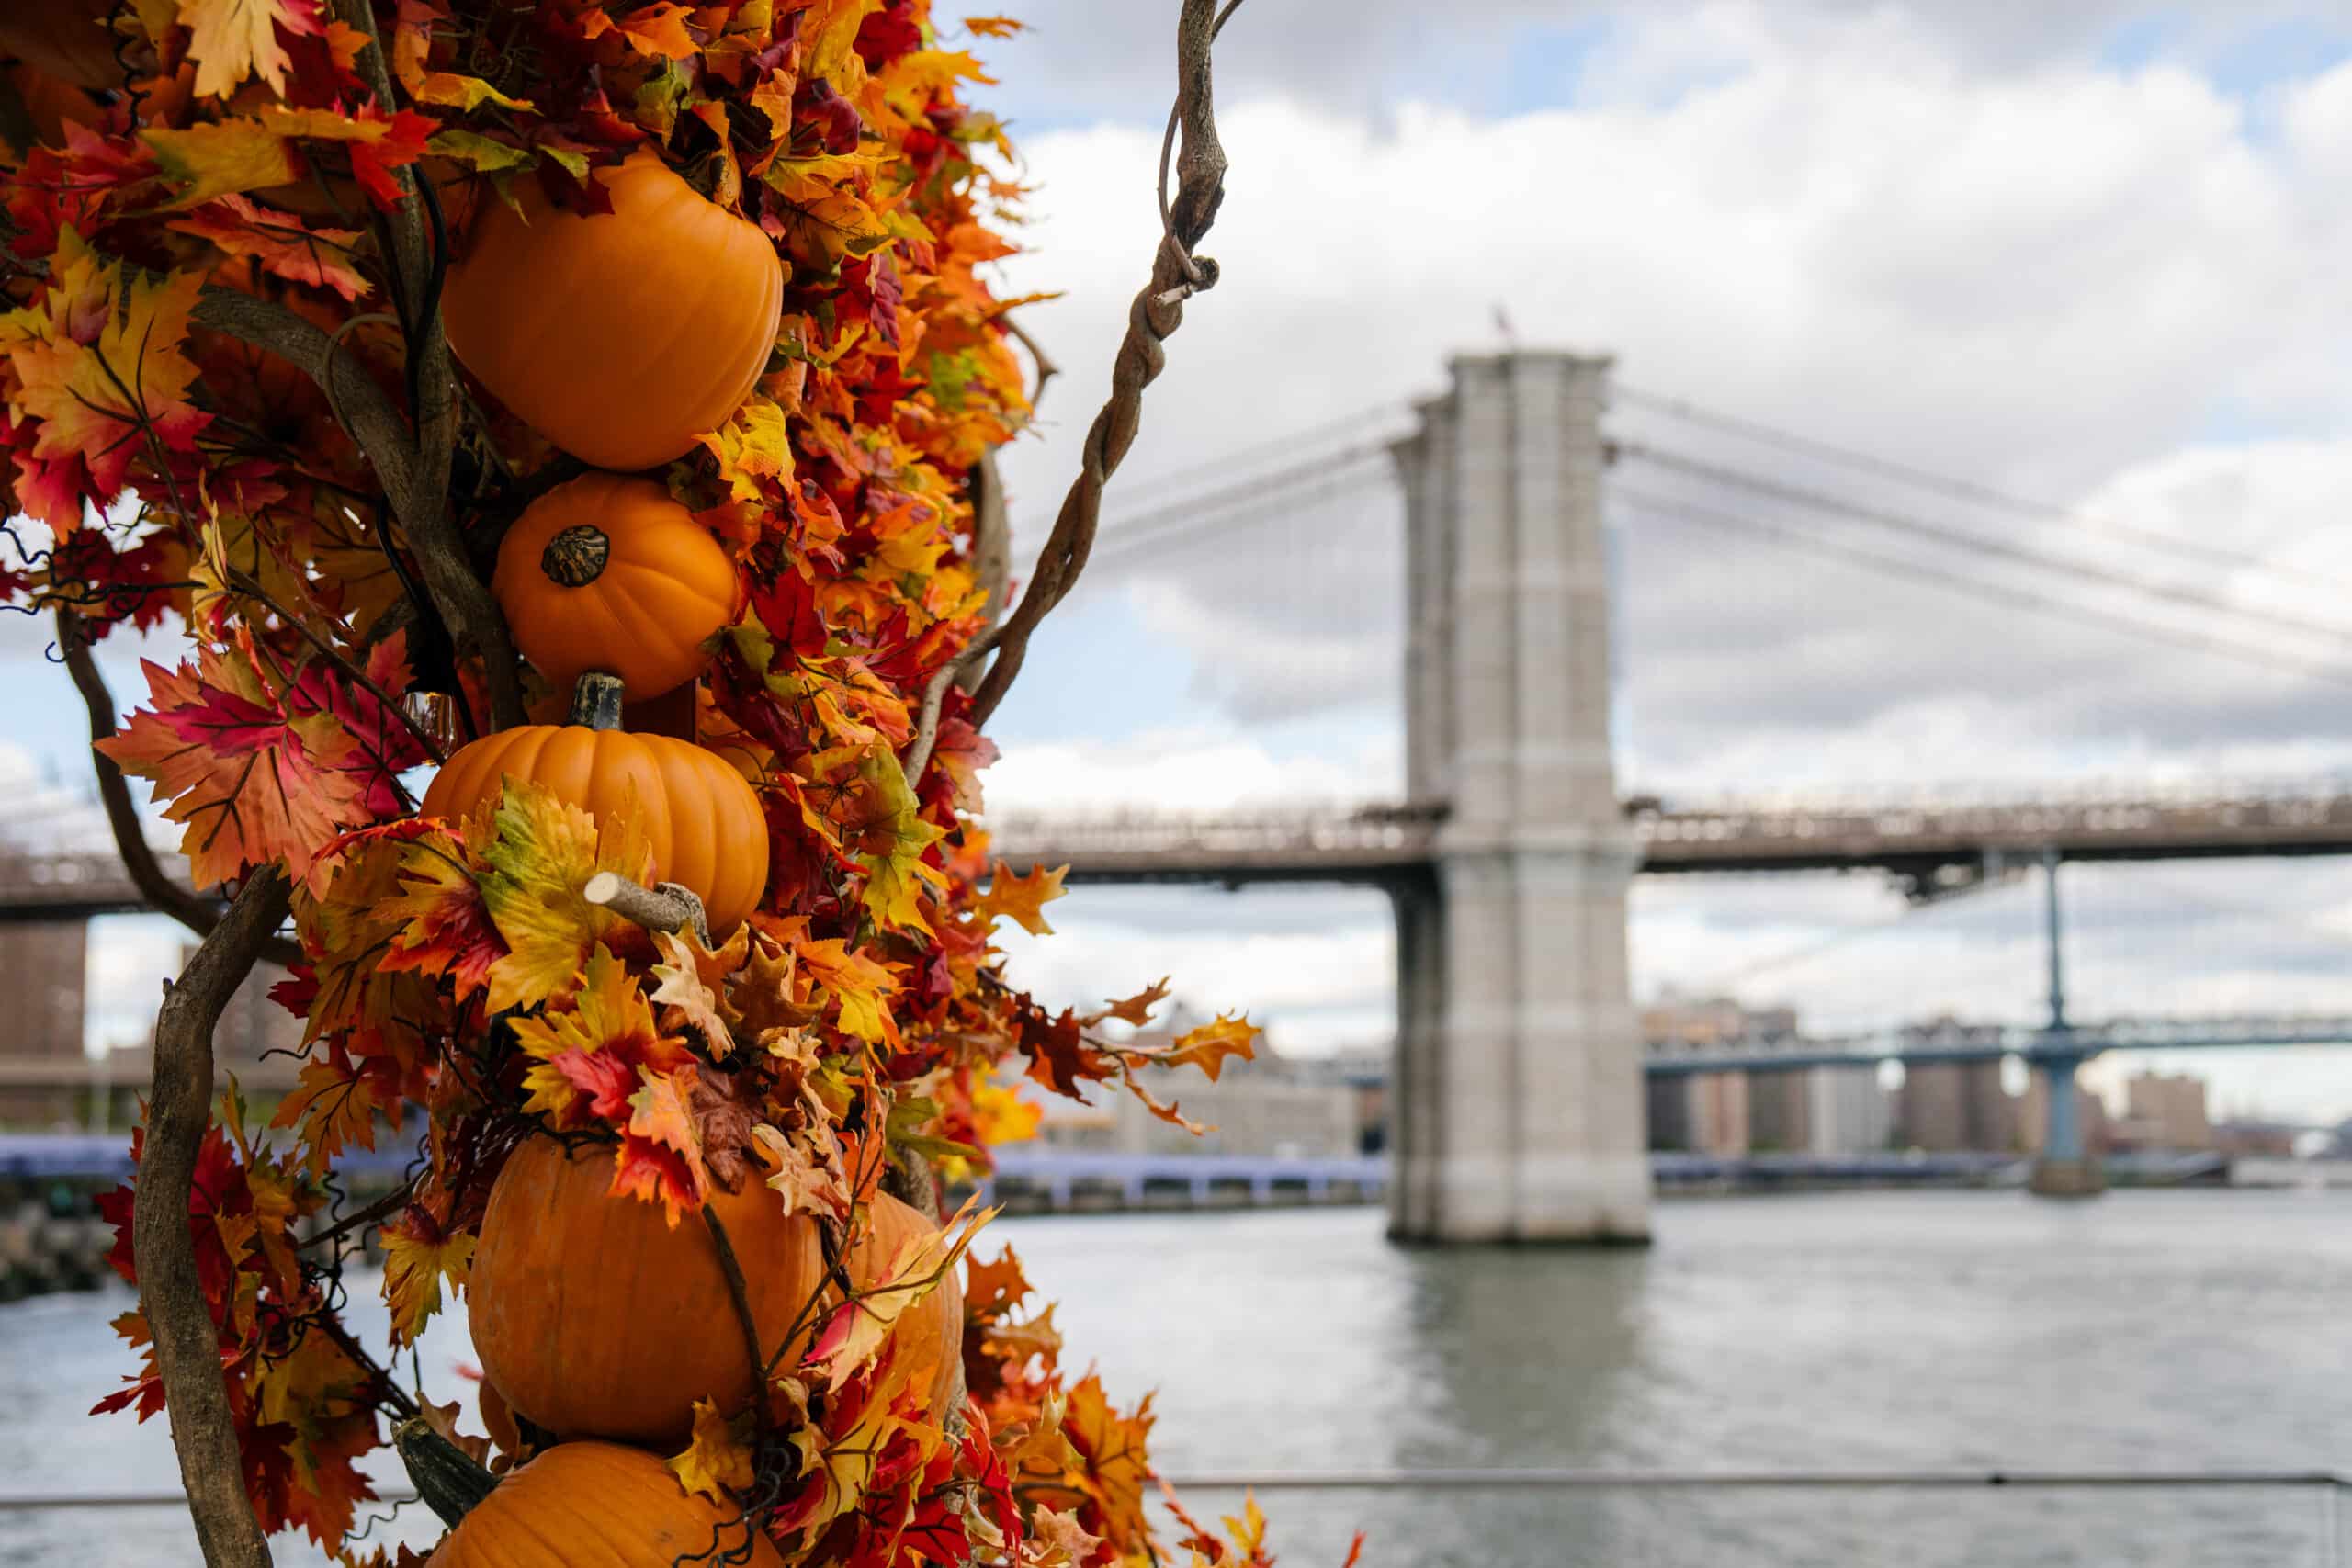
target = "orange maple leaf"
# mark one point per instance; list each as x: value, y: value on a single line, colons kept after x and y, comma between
x: 661, y: 1152
x: 1022, y: 898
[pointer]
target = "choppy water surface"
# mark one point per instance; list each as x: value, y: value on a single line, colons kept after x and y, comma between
x: 2200, y: 1330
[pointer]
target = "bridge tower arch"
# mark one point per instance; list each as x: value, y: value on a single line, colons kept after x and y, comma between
x: 1520, y: 1111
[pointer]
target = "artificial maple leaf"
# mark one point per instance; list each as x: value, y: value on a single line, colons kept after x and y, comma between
x: 858, y: 984
x: 418, y: 1254
x: 337, y: 1103
x: 660, y: 1153
x: 718, y: 1457
x: 1113, y: 1460
x: 1207, y: 1047
x: 232, y: 39
x: 216, y: 158
x: 728, y: 1107
x: 99, y: 372
x: 1000, y: 1116
x: 1022, y: 899
x: 542, y: 851
x: 443, y: 925
x: 993, y: 26
x: 754, y: 446
x: 254, y: 774
x: 589, y: 1058
x: 280, y: 243
x: 859, y: 1328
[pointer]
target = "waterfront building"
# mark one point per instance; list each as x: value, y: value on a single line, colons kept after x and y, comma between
x: 41, y: 969
x: 2165, y: 1110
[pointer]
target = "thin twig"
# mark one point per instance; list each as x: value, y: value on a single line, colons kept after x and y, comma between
x: 375, y: 422
x: 1157, y: 311
x: 188, y: 1350
x: 1047, y: 368
x: 666, y: 906
x: 161, y: 890
x: 740, y: 1292
x: 250, y: 586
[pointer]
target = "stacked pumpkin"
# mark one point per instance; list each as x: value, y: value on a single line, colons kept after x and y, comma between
x: 621, y: 336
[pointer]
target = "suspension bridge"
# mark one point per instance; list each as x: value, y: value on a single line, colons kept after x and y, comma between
x: 1452, y: 559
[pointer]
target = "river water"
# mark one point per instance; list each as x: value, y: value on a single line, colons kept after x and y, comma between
x: 2181, y: 1330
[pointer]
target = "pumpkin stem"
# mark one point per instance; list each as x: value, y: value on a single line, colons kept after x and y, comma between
x: 451, y: 1480
x: 596, y: 700
x: 577, y: 557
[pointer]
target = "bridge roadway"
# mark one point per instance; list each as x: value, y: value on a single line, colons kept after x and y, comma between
x: 1924, y: 839
x: 1920, y: 838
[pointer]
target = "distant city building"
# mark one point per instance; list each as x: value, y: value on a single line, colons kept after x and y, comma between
x: 1956, y: 1107
x: 41, y: 970
x: 1848, y: 1112
x: 2163, y: 1110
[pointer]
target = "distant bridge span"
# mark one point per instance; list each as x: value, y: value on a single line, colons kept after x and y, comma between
x: 1920, y: 837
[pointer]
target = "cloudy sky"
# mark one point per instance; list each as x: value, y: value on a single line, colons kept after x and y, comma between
x: 2088, y: 257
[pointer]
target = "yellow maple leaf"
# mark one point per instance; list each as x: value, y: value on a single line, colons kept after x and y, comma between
x: 718, y: 1456
x: 1207, y: 1047
x: 587, y: 1056
x: 418, y: 1254
x: 993, y: 26
x: 1022, y: 899
x: 221, y: 158
x: 232, y: 39
x: 860, y: 1326
x: 1000, y: 1116
x: 542, y: 852
x: 858, y: 984
x: 752, y: 446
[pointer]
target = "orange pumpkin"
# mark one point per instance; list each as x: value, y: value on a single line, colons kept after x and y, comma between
x: 705, y: 823
x: 69, y: 39
x: 622, y: 335
x: 596, y: 1318
x: 607, y: 572
x: 598, y: 1503
x: 930, y: 1334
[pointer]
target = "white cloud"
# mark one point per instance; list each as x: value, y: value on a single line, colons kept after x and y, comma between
x: 1180, y: 771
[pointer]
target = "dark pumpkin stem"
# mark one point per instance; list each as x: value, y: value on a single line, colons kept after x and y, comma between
x: 577, y: 557
x: 451, y: 1480
x: 596, y: 700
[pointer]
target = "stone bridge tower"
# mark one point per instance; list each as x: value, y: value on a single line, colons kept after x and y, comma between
x: 1519, y: 1078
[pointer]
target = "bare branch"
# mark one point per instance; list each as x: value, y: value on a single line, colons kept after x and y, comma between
x: 164, y: 892
x: 740, y: 1292
x: 991, y: 558
x: 188, y: 1350
x: 1157, y: 311
x: 1047, y: 368
x: 664, y: 907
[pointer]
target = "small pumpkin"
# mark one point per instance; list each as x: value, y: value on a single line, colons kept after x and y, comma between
x: 596, y: 1318
x: 601, y: 1503
x: 706, y: 825
x: 607, y: 572
x: 621, y: 335
x: 69, y: 39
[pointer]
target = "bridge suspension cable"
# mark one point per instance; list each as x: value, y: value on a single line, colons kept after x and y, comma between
x: 1675, y: 510
x: 1957, y: 487
x: 2002, y: 549
x: 1181, y: 522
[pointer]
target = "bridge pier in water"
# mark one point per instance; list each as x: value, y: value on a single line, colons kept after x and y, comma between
x: 2063, y: 1168
x: 1520, y: 1109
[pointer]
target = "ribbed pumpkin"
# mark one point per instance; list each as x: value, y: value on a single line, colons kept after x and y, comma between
x: 622, y: 335
x: 65, y: 38
x: 607, y: 572
x: 929, y: 1338
x: 596, y: 1505
x: 595, y: 1318
x: 702, y: 817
